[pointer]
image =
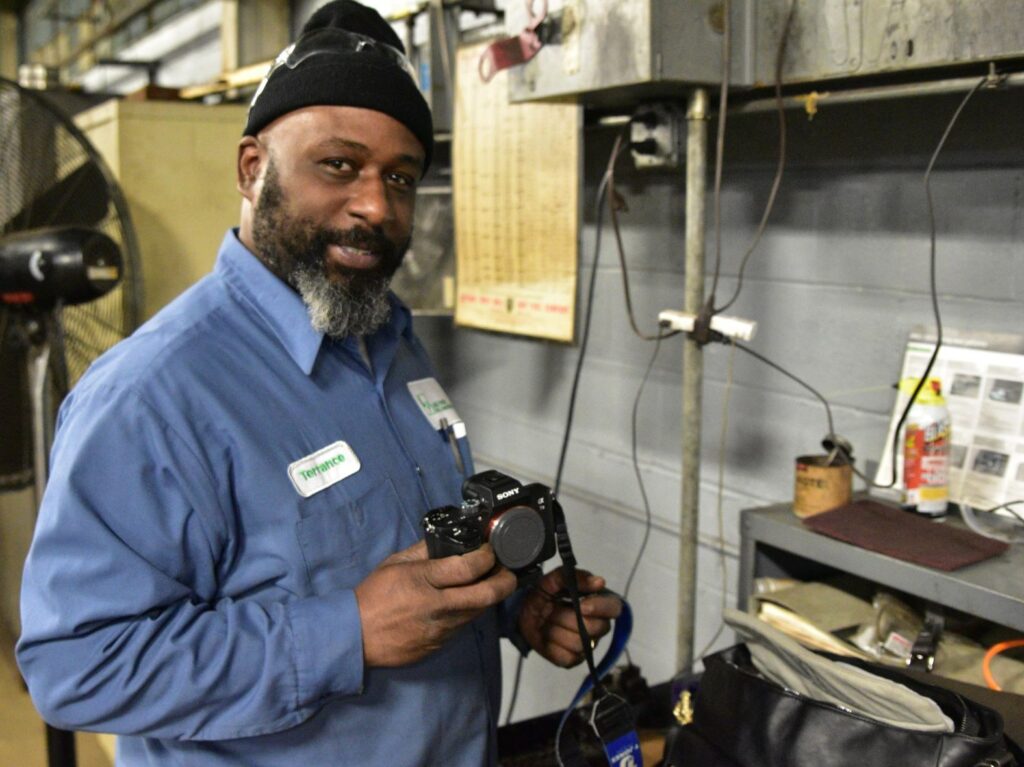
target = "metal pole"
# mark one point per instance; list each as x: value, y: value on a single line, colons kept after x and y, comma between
x: 60, y: 744
x: 693, y: 372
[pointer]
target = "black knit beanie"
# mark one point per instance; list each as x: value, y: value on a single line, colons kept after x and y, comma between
x: 365, y: 78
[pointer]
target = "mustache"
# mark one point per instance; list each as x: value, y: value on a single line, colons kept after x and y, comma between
x: 363, y: 239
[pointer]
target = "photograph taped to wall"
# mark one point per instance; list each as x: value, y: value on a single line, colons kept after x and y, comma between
x: 982, y: 377
x: 516, y: 173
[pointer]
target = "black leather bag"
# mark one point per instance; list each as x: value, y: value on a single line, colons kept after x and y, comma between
x: 741, y: 719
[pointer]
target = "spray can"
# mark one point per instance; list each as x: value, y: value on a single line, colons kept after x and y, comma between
x: 926, y: 441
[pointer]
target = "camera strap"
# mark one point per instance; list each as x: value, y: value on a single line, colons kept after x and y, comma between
x: 611, y: 716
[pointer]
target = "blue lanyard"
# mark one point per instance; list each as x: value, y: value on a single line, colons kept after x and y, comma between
x: 614, y: 724
x: 611, y: 716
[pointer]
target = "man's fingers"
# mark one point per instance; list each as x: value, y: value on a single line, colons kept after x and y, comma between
x: 481, y: 594
x: 563, y: 657
x: 566, y: 621
x: 414, y: 553
x: 604, y: 606
x: 597, y: 611
x: 460, y: 570
x: 469, y: 582
x: 587, y: 583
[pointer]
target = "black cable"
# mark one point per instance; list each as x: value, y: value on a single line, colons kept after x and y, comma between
x: 934, y: 292
x: 935, y: 308
x: 723, y: 103
x: 777, y: 181
x: 636, y: 466
x: 1006, y: 507
x: 800, y: 381
x: 639, y: 477
x: 584, y: 338
x: 614, y: 201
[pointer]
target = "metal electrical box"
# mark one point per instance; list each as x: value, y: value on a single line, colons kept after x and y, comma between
x: 611, y: 49
x: 615, y: 51
x: 859, y: 38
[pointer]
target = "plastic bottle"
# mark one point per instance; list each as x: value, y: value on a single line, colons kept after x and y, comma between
x: 926, y: 440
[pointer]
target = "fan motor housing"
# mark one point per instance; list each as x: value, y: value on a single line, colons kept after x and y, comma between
x: 70, y: 265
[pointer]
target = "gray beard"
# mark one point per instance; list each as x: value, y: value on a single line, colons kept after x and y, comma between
x: 337, y: 311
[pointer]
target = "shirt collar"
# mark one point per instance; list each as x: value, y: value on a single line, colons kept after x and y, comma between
x: 282, y: 309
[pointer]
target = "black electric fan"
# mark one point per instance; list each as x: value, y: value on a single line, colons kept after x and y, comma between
x: 69, y: 284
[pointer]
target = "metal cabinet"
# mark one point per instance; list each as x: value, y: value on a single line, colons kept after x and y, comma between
x: 774, y: 542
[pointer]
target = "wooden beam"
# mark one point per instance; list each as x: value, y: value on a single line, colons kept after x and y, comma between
x: 229, y: 59
x: 239, y: 78
x: 128, y: 11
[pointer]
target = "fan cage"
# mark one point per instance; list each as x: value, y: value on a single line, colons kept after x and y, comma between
x: 41, y: 150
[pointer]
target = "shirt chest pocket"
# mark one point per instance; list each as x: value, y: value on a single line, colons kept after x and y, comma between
x: 342, y: 543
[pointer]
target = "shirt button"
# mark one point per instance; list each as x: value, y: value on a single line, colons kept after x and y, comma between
x: 419, y: 470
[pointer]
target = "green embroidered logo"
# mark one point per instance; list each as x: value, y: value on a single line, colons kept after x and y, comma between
x: 320, y: 468
x: 432, y: 407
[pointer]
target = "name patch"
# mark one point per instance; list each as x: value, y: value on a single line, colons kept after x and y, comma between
x: 326, y: 467
x: 434, y: 403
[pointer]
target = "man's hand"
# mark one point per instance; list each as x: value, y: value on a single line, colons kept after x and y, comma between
x: 409, y: 605
x: 549, y: 626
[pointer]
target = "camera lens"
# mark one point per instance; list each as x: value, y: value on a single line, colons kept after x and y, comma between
x: 518, y: 537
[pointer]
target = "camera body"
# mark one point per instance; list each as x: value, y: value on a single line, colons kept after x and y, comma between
x: 516, y: 519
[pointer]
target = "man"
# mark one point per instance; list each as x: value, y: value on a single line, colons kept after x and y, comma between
x: 227, y: 567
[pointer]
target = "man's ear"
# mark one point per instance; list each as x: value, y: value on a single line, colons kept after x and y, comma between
x: 251, y: 157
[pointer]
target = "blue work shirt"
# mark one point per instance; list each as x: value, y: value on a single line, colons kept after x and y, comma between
x: 182, y: 593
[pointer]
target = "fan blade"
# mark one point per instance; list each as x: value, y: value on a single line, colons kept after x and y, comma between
x: 79, y: 199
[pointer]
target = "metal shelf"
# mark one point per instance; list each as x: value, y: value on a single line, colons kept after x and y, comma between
x: 774, y: 542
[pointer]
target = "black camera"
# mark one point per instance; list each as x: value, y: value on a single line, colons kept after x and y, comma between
x: 515, y: 519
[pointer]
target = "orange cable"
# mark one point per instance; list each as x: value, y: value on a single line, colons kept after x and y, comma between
x: 993, y: 651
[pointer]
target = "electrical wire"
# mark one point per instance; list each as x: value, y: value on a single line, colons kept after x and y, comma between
x: 780, y: 167
x: 636, y: 468
x: 602, y: 190
x: 616, y: 203
x: 935, y: 308
x: 720, y: 495
x: 792, y: 377
x: 585, y: 337
x: 1006, y: 507
x: 723, y: 103
x: 648, y: 517
x: 934, y: 292
x: 993, y: 651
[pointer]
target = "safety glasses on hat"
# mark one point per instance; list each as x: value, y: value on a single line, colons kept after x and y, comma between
x: 335, y: 42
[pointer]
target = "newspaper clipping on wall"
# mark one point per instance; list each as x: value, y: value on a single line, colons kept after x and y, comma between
x: 982, y: 377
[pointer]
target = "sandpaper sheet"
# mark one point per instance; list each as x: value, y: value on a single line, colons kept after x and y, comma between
x: 904, y: 535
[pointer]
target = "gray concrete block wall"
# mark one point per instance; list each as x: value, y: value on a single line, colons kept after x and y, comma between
x: 838, y: 282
